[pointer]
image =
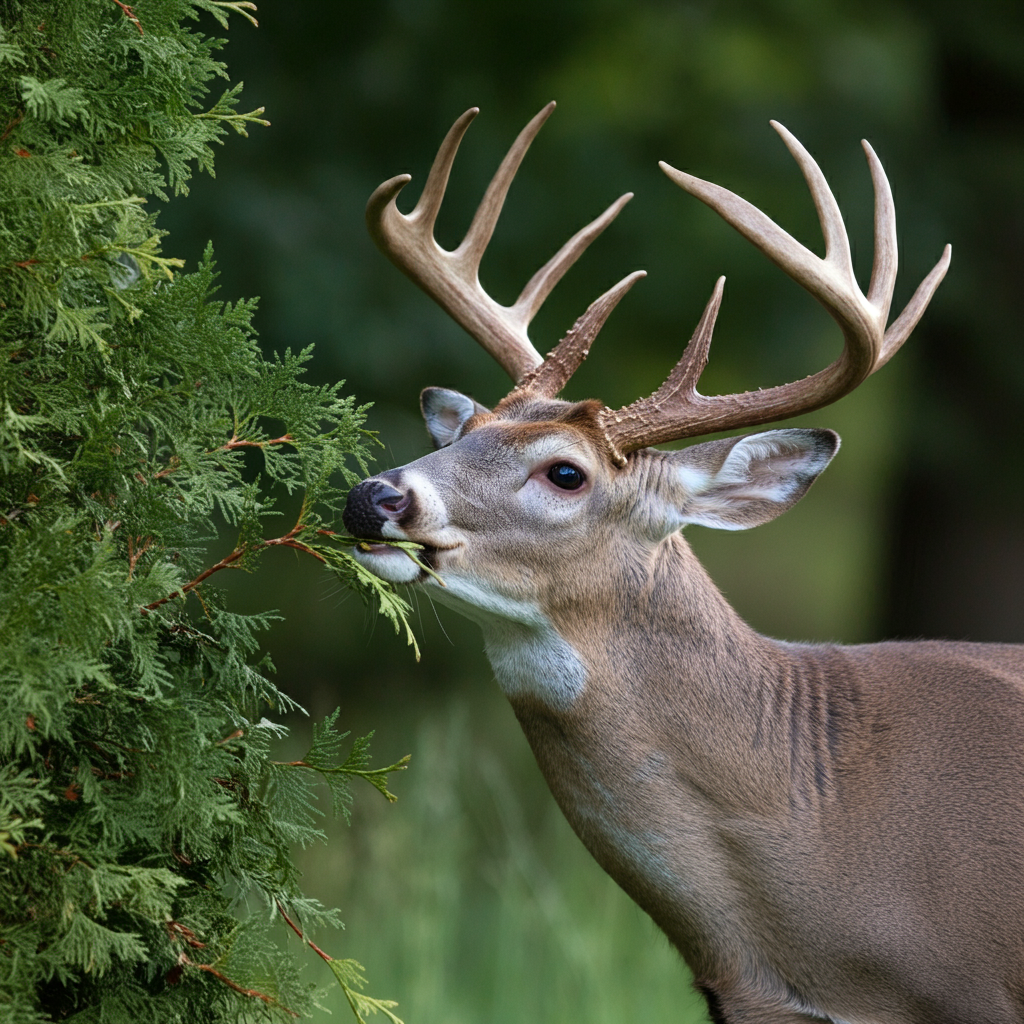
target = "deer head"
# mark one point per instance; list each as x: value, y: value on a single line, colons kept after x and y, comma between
x: 825, y: 833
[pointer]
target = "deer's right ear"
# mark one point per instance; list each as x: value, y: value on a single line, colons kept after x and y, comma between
x: 446, y: 413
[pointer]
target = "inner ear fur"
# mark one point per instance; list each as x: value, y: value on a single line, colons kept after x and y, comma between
x: 740, y: 482
x: 446, y: 413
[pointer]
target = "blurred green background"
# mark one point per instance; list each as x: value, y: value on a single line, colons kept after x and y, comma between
x: 470, y: 900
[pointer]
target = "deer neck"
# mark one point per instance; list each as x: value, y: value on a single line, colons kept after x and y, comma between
x: 648, y: 661
x: 682, y: 727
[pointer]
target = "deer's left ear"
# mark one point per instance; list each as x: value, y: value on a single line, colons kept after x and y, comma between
x: 742, y: 482
x: 446, y: 412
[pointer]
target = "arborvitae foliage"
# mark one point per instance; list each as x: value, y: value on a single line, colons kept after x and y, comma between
x: 145, y: 825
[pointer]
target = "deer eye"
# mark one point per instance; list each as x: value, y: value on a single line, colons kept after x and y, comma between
x: 568, y: 477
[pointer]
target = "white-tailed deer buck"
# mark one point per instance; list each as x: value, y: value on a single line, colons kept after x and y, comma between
x: 826, y: 833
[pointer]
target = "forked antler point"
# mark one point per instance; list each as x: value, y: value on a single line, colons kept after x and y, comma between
x: 676, y: 410
x: 452, y: 278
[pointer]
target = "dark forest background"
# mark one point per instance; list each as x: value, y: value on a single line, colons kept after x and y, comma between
x: 485, y: 909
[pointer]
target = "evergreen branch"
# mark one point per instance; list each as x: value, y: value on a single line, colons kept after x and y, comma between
x: 377, y: 777
x: 349, y: 975
x: 224, y: 563
x: 410, y: 547
x: 135, y: 791
x: 237, y: 121
x: 135, y: 553
x: 324, y: 753
x: 164, y: 263
x: 394, y: 607
x: 231, y: 560
x: 174, y: 463
x: 298, y: 931
x: 12, y: 834
x: 252, y: 993
x: 238, y: 6
x: 237, y: 442
x: 176, y: 930
x: 288, y: 540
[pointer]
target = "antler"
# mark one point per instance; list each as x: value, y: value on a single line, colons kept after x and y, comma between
x: 676, y: 410
x: 452, y: 278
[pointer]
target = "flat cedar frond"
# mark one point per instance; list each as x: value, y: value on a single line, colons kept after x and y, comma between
x: 140, y: 806
x: 323, y: 758
x: 349, y: 974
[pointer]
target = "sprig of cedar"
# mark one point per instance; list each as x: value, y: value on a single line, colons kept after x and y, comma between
x: 140, y: 805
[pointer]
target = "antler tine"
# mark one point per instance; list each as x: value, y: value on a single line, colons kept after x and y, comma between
x: 564, y: 360
x: 539, y: 287
x: 424, y: 213
x: 837, y: 242
x: 687, y: 371
x: 899, y: 330
x: 452, y: 278
x: 642, y: 423
x: 676, y: 410
x: 886, y: 259
x: 883, y: 272
x: 487, y: 213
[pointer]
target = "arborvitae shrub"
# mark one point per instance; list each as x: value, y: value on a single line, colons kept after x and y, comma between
x: 145, y: 826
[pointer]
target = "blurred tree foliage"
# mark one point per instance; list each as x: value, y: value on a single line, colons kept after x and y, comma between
x: 931, y: 502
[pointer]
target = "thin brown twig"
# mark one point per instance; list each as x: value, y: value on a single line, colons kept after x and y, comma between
x: 130, y: 15
x: 174, y: 463
x: 298, y: 931
x: 224, y: 563
x: 12, y: 124
x: 253, y: 993
x: 237, y: 442
x: 134, y: 554
x: 176, y: 930
x: 285, y: 540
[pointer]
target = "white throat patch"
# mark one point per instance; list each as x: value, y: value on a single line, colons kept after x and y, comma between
x: 528, y: 656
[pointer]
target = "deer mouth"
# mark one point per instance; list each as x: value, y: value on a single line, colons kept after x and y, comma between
x: 399, y: 564
x: 431, y: 553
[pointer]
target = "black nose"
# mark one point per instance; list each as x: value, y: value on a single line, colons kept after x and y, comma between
x: 370, y: 504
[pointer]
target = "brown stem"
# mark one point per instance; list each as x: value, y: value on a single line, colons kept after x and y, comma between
x: 176, y: 930
x: 233, y: 985
x: 286, y: 540
x: 12, y: 124
x: 175, y: 463
x: 130, y: 15
x: 134, y: 554
x: 298, y: 931
x: 237, y: 442
x: 224, y: 563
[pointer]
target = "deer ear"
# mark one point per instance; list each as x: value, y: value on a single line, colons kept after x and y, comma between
x: 446, y: 413
x: 742, y: 482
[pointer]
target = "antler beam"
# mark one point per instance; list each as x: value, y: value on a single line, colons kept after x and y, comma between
x: 677, y: 410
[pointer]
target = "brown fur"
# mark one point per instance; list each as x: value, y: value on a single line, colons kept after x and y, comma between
x: 819, y: 829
